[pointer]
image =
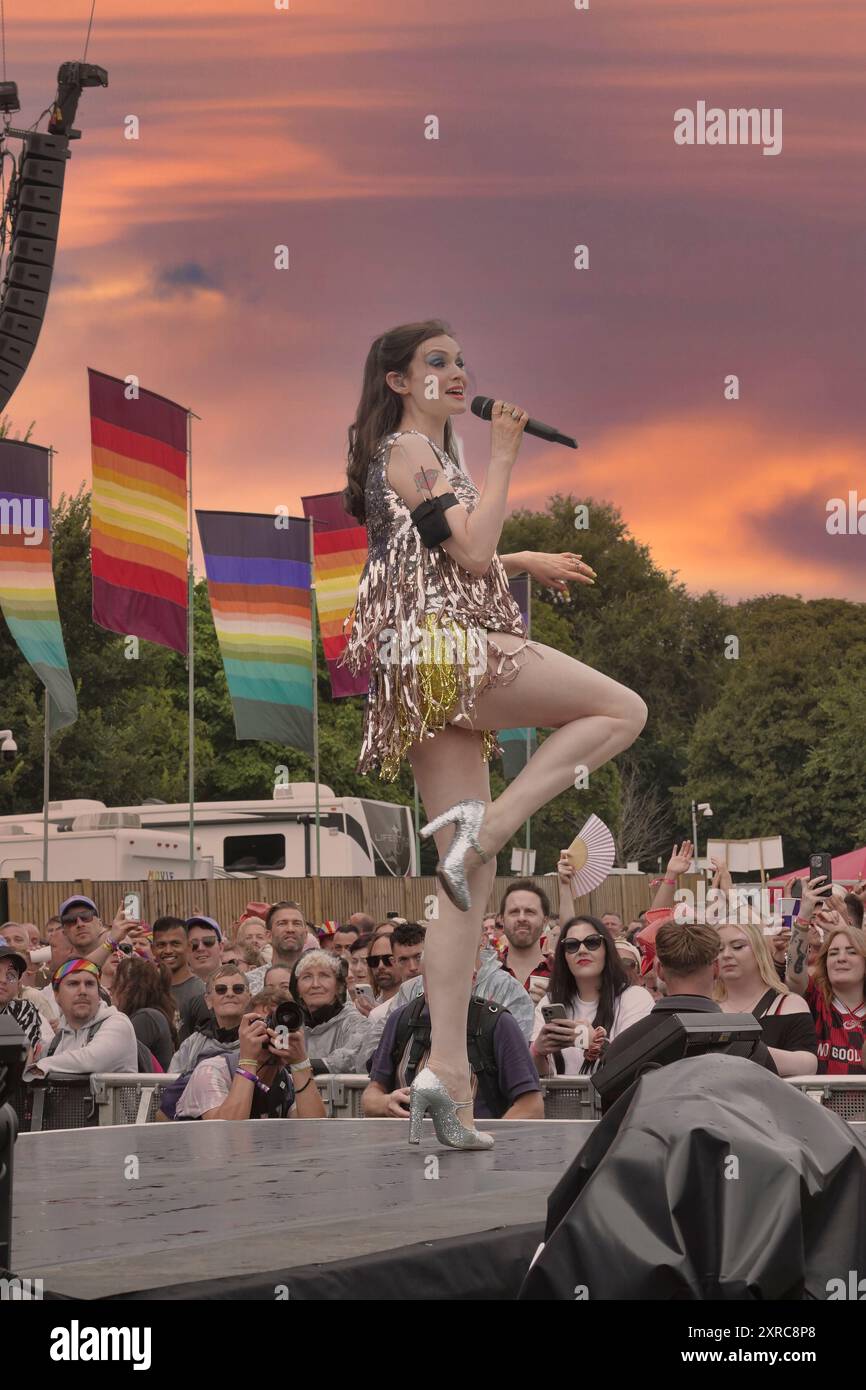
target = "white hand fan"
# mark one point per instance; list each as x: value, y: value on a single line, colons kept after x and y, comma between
x: 591, y: 854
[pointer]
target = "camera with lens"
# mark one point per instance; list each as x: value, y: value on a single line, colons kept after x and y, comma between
x: 8, y: 747
x: 286, y: 1015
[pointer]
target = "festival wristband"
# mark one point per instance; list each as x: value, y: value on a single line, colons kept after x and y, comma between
x: 250, y: 1076
x: 300, y: 1066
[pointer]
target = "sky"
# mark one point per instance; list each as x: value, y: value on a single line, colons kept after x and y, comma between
x: 306, y: 127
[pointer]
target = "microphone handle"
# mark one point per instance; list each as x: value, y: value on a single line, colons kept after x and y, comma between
x: 553, y: 436
x: 482, y: 406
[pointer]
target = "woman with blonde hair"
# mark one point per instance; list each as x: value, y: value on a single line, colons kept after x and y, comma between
x: 836, y: 993
x: 748, y: 983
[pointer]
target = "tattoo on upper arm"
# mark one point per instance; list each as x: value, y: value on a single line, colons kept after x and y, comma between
x: 426, y: 479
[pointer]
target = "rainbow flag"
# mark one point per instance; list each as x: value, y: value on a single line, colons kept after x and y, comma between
x: 27, y: 596
x: 339, y: 555
x: 258, y: 578
x: 518, y: 745
x: 139, y: 535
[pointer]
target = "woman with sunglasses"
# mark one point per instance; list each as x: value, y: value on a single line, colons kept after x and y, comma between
x: 227, y: 996
x: 588, y: 978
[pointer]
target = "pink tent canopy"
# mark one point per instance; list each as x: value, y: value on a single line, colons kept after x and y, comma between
x: 851, y: 865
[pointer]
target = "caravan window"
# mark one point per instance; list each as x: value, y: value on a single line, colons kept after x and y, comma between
x: 252, y: 854
x: 390, y: 829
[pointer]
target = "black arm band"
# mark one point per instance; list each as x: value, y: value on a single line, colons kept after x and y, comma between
x: 430, y: 521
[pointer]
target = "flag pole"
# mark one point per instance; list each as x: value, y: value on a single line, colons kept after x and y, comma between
x: 190, y: 653
x: 314, y: 627
x: 417, y: 836
x: 46, y: 744
x: 528, y: 728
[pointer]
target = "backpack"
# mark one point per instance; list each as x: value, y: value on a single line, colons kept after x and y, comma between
x: 483, y: 1017
x: 145, y: 1058
x: 275, y: 1105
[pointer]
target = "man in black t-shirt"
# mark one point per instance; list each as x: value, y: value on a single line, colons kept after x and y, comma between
x: 687, y: 961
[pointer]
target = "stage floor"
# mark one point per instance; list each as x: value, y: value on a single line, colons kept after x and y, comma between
x: 214, y: 1198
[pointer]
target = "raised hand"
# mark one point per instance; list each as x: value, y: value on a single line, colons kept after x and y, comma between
x: 681, y: 858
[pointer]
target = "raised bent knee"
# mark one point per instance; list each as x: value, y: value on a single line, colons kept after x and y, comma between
x: 639, y: 713
x: 632, y: 716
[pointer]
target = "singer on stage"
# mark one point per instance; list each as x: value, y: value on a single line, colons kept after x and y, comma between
x: 450, y: 663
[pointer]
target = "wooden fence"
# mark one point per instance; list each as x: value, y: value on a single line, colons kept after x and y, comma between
x: 321, y: 898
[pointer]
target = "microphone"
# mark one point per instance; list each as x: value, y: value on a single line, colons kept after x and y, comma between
x: 483, y: 407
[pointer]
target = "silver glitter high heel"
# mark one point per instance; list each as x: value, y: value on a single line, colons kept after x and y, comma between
x: 428, y: 1093
x: 467, y: 817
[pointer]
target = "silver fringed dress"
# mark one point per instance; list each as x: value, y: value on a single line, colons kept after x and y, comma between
x: 422, y: 625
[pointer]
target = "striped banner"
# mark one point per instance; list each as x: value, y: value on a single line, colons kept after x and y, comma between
x: 139, y: 529
x: 27, y: 596
x: 518, y: 745
x: 258, y: 578
x: 339, y: 555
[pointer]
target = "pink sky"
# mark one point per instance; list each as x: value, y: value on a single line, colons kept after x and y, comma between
x: 306, y: 127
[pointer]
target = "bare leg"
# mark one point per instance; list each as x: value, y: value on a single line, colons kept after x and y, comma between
x: 593, y: 718
x: 448, y: 768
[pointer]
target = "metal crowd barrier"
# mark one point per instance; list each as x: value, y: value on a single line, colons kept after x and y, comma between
x: 570, y: 1098
x: 125, y: 1098
x: 845, y: 1095
x: 132, y: 1098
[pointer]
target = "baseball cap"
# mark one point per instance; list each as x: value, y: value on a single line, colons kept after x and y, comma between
x: 74, y: 902
x: 10, y: 953
x: 205, y: 922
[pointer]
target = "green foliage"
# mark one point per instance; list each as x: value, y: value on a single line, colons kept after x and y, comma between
x: 780, y: 751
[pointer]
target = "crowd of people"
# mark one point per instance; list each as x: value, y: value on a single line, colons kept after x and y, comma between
x: 244, y: 1018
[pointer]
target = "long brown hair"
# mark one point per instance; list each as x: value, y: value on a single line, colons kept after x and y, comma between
x: 145, y: 985
x: 821, y: 977
x: 380, y: 410
x: 563, y: 986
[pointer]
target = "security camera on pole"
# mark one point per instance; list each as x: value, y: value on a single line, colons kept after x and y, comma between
x: 706, y: 810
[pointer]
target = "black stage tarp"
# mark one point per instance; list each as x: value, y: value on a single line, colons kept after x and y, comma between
x: 711, y: 1179
x: 332, y: 1209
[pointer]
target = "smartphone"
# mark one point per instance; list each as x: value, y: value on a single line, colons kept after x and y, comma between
x: 821, y: 865
x: 583, y: 1034
x: 550, y: 1012
x: 366, y: 991
x: 132, y: 907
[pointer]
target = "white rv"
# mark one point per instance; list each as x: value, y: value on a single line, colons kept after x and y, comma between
x: 357, y: 836
x: 96, y: 844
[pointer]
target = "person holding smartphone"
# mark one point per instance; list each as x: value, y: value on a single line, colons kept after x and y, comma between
x: 596, y: 1001
x: 836, y: 993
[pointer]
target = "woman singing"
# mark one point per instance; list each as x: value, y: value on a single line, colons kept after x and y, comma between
x: 450, y: 663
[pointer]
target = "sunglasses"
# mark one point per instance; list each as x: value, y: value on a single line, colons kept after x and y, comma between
x: 591, y: 943
x: 233, y: 989
x: 85, y: 915
x: 380, y: 960
x: 204, y: 942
